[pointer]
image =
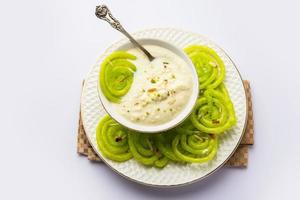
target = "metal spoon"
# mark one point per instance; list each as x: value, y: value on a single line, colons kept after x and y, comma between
x: 102, y: 12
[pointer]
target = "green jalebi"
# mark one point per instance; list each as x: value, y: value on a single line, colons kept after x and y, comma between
x: 163, y: 141
x: 116, y: 75
x: 192, y: 146
x: 144, y: 150
x: 112, y: 140
x: 213, y: 112
x: 209, y: 66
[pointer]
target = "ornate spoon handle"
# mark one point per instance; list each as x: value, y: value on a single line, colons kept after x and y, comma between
x: 102, y: 12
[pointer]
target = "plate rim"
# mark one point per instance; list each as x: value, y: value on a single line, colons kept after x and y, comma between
x: 197, y: 179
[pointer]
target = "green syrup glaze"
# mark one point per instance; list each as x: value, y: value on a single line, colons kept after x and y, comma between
x: 214, y: 112
x: 192, y: 146
x: 144, y: 150
x: 112, y: 140
x: 116, y: 75
x: 209, y: 66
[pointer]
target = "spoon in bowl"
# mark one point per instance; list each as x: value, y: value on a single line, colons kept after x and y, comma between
x: 102, y: 12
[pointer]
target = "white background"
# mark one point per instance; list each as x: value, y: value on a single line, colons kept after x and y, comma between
x: 47, y: 47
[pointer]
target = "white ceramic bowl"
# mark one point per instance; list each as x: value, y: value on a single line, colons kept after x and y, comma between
x: 175, y: 121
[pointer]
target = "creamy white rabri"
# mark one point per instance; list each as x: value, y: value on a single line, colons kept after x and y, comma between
x: 160, y: 89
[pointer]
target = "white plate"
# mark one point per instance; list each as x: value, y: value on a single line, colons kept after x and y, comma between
x: 173, y: 174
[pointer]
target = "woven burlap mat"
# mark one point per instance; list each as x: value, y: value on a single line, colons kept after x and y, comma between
x: 238, y: 159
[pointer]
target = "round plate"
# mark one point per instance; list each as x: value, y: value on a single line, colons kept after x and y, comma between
x: 173, y: 174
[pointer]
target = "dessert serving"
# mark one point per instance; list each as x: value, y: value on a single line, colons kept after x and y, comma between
x: 192, y: 149
x: 164, y: 108
x: 154, y: 92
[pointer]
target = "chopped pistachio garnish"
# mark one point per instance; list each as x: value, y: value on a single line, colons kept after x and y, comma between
x: 158, y: 109
x: 147, y: 113
x: 153, y: 81
x: 172, y: 92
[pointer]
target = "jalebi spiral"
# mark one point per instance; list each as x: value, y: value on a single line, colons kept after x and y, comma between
x: 214, y: 112
x: 112, y: 140
x: 192, y: 146
x: 163, y: 141
x: 116, y: 75
x: 144, y: 150
x: 209, y: 66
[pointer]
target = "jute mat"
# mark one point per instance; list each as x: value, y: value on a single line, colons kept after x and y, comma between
x: 238, y: 159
